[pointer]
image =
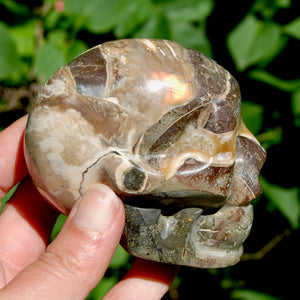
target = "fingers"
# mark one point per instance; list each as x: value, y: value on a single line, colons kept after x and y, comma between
x: 146, y: 280
x: 12, y: 163
x: 76, y: 261
x: 78, y: 258
x: 25, y: 227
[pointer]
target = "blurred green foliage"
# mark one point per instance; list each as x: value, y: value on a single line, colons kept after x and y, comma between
x: 255, y: 40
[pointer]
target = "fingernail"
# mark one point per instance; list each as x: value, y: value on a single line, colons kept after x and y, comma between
x: 97, y: 209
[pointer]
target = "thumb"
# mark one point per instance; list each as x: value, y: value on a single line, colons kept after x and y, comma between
x: 78, y: 258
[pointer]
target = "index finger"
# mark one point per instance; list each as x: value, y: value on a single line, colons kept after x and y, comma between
x: 145, y: 280
x: 12, y: 163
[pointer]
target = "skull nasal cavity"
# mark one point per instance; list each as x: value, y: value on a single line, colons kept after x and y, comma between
x: 134, y: 179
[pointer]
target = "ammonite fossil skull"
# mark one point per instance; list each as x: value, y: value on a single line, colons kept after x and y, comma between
x: 161, y: 125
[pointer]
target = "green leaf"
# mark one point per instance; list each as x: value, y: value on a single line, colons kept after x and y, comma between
x: 186, y: 21
x: 133, y: 14
x: 295, y: 103
x: 286, y: 201
x: 284, y: 85
x: 10, y: 62
x: 51, y: 19
x: 119, y: 259
x: 250, y: 295
x: 97, y: 16
x: 254, y: 41
x: 77, y: 7
x: 7, y: 196
x: 58, y: 226
x: 270, y: 137
x: 252, y: 114
x: 293, y: 28
x: 267, y: 9
x: 24, y: 37
x: 58, y: 38
x: 105, y: 15
x: 188, y: 10
x: 2, y: 106
x: 48, y: 60
x: 102, y: 288
x: 157, y: 27
x: 190, y: 36
x: 283, y: 3
x: 240, y: 40
x: 76, y: 49
x: 15, y: 7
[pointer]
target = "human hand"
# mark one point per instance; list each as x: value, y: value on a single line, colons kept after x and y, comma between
x: 71, y: 266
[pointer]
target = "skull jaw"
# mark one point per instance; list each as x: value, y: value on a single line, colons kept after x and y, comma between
x: 188, y: 237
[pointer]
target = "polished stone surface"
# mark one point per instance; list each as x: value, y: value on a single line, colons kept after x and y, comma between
x: 162, y: 126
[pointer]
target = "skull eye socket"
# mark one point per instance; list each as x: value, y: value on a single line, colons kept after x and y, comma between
x: 134, y: 179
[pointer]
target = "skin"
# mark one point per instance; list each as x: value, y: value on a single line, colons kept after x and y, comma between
x: 71, y: 266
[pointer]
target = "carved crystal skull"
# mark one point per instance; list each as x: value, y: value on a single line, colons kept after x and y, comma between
x: 161, y: 125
